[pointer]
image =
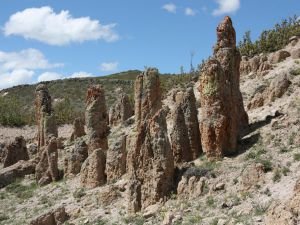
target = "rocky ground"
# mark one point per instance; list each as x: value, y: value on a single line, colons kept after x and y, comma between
x: 256, y: 186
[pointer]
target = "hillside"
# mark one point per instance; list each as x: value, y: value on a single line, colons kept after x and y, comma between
x: 69, y: 95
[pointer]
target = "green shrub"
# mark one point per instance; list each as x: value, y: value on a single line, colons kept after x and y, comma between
x: 297, y: 156
x: 11, y: 113
x: 295, y: 72
x: 270, y: 40
x: 22, y: 191
x: 267, y: 164
x: 276, y: 176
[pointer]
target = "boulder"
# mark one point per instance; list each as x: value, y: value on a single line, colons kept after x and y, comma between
x: 54, y: 217
x: 295, y: 53
x: 15, y: 151
x: 18, y: 170
x: 279, y: 56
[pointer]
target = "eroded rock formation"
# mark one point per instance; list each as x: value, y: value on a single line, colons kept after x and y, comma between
x: 54, y: 217
x: 121, y: 111
x: 75, y: 159
x: 15, y: 152
x: 222, y: 109
x: 185, y: 135
x: 96, y: 118
x: 92, y: 172
x: 47, y: 168
x: 44, y: 116
x: 150, y: 160
x: 78, y: 129
x: 116, y: 158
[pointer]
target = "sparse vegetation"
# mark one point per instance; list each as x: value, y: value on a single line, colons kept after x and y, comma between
x: 295, y: 72
x: 297, y: 157
x: 276, y: 176
x: 22, y: 191
x: 270, y: 40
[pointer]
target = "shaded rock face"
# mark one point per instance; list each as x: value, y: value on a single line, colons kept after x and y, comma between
x: 92, y: 172
x: 116, y: 158
x: 150, y: 160
x: 15, y: 152
x: 185, y: 135
x: 78, y: 129
x: 276, y: 89
x: 75, y: 159
x: 47, y: 168
x: 96, y: 118
x: 55, y: 217
x: 18, y: 170
x: 285, y: 213
x: 44, y: 116
x: 121, y: 111
x: 222, y: 109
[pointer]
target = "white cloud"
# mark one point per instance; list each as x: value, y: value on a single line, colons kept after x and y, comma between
x: 47, y: 76
x: 19, y: 67
x: 226, y: 6
x: 15, y: 77
x: 190, y: 12
x: 170, y: 7
x: 46, y: 26
x: 81, y: 74
x: 109, y: 66
x: 25, y: 59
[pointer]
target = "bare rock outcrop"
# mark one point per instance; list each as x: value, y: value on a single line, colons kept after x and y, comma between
x: 150, y: 160
x: 96, y: 118
x: 18, y: 170
x: 78, y: 129
x: 121, y: 111
x: 191, y: 187
x: 185, y: 135
x: 258, y: 65
x: 279, y: 56
x: 92, y: 172
x: 75, y: 159
x: 44, y: 116
x: 222, y: 109
x: 285, y: 213
x: 116, y: 158
x: 47, y: 168
x: 276, y: 89
x: 54, y: 217
x: 15, y: 152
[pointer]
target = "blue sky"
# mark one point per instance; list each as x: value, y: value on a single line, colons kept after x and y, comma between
x: 44, y: 40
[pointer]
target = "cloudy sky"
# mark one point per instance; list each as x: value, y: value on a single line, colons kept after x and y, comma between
x: 54, y: 39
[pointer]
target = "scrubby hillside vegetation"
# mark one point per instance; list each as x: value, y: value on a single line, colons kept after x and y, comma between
x: 171, y: 150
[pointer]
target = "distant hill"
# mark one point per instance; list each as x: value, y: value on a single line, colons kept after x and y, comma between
x: 68, y: 95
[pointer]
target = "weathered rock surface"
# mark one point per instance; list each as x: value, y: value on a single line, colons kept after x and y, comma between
x: 18, y: 170
x: 121, y: 111
x: 116, y: 158
x: 285, y: 213
x: 276, y: 89
x: 78, y: 129
x: 295, y: 53
x: 279, y: 56
x: 185, y: 135
x: 44, y: 116
x: 75, y: 159
x: 191, y: 187
x: 15, y: 152
x: 222, y: 109
x: 257, y: 64
x: 55, y: 217
x: 150, y: 161
x: 96, y: 118
x: 92, y: 172
x: 252, y: 175
x: 47, y: 168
